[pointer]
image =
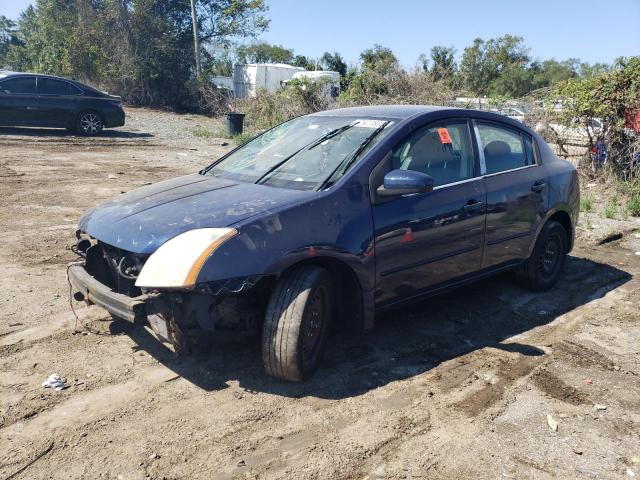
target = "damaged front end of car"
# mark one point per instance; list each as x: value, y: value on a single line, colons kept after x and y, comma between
x: 161, y: 289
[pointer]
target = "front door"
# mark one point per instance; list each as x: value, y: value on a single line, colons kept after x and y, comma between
x: 18, y: 100
x: 422, y: 240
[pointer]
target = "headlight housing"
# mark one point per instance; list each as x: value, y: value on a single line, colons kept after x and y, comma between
x: 177, y: 263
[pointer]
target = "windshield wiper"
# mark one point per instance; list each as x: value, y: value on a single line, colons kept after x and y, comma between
x: 353, y: 156
x: 331, y: 134
x: 308, y: 146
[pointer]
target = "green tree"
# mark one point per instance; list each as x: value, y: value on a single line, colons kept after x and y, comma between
x: 443, y: 64
x: 8, y: 38
x: 334, y: 62
x: 140, y: 49
x: 378, y: 57
x: 483, y: 62
x: 304, y: 62
x: 264, y: 53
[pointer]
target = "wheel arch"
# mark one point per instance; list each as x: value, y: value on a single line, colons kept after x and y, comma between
x: 564, y: 219
x: 561, y: 214
x: 349, y: 294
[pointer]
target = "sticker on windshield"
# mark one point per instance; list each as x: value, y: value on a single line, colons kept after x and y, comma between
x: 444, y: 135
x: 368, y: 123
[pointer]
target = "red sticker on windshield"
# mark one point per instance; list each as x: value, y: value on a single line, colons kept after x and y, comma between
x: 444, y: 135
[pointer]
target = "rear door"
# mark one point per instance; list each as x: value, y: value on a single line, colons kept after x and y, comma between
x: 18, y: 100
x: 425, y: 239
x: 57, y: 101
x: 516, y: 188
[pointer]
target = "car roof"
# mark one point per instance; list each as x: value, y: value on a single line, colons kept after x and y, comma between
x: 9, y: 73
x: 382, y: 111
x: 402, y: 112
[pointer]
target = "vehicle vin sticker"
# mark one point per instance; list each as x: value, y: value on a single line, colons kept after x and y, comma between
x: 368, y: 123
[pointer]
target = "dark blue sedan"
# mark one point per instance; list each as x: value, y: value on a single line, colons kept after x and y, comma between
x: 328, y: 218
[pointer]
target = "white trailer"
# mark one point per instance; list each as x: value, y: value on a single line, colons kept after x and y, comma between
x: 250, y: 77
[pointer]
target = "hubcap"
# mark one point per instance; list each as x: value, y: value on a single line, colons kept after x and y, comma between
x: 90, y: 123
x: 313, y: 324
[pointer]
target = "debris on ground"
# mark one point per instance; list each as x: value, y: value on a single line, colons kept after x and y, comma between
x: 599, y: 406
x: 553, y: 425
x: 55, y: 381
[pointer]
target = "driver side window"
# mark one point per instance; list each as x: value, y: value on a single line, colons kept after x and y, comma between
x: 442, y: 150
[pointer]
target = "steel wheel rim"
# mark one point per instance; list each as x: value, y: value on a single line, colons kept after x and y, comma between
x: 550, y: 257
x: 90, y: 123
x: 314, y: 324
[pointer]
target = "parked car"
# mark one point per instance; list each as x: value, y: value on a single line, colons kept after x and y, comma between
x: 513, y: 112
x: 575, y: 132
x: 331, y: 217
x: 31, y: 100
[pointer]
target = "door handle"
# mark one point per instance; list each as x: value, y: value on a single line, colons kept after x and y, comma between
x: 473, y: 206
x: 538, y: 186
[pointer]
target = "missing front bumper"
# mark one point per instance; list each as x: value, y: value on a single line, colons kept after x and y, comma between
x: 128, y: 308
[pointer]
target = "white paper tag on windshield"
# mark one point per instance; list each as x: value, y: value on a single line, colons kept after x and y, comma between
x: 368, y: 123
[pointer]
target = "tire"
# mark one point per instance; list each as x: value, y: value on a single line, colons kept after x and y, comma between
x: 543, y: 268
x: 296, y: 324
x: 89, y: 123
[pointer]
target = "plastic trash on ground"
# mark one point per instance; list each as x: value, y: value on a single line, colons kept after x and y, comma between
x: 55, y: 381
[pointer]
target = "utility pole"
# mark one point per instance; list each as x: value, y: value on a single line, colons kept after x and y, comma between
x: 196, y: 41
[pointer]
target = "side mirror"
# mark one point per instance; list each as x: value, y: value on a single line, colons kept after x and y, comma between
x: 403, y: 182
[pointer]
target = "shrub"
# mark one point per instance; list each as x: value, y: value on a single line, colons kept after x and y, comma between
x: 633, y: 205
x: 265, y: 110
x: 610, y: 211
x: 586, y: 203
x: 393, y: 85
x: 202, y: 132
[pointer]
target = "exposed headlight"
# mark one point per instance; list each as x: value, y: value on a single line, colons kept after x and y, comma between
x: 177, y: 263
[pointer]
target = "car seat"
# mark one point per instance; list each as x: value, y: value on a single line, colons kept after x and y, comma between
x: 429, y: 155
x: 498, y: 157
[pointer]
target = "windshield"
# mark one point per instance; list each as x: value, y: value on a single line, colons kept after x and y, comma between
x: 304, y: 153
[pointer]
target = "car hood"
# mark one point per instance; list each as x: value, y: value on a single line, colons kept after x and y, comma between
x: 143, y: 219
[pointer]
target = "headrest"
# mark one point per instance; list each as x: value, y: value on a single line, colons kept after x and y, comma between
x: 497, y: 148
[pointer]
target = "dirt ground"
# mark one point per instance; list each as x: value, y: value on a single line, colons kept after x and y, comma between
x: 446, y: 389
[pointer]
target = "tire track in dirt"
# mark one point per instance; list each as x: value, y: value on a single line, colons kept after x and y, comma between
x: 86, y: 407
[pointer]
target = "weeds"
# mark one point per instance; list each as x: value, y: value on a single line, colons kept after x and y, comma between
x: 633, y: 205
x: 202, y: 132
x: 242, y: 138
x: 610, y: 211
x: 586, y: 203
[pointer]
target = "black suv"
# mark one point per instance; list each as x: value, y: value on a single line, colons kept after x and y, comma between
x: 31, y: 100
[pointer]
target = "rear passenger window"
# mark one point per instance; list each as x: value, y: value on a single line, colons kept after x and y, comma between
x: 503, y: 148
x: 442, y: 151
x: 49, y: 86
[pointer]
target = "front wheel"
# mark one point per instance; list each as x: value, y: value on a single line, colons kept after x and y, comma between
x: 89, y: 123
x: 542, y: 269
x: 296, y: 324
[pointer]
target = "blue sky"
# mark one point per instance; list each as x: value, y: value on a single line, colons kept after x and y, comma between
x: 593, y: 30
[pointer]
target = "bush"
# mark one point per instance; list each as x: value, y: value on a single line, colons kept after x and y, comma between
x: 586, y: 203
x: 265, y: 110
x: 633, y: 205
x: 393, y: 85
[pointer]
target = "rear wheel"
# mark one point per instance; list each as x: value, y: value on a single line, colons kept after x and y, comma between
x: 542, y: 269
x: 89, y: 123
x: 296, y: 324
